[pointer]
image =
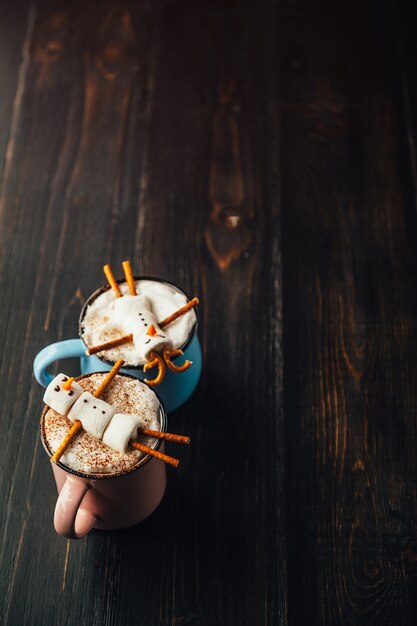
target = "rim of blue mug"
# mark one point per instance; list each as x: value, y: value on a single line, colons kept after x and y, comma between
x: 105, y: 288
x: 145, y: 459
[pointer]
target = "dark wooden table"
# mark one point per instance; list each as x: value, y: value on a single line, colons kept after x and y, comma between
x: 262, y: 156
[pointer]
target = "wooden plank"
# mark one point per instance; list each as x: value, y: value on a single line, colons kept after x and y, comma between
x: 137, y: 140
x: 56, y: 172
x: 16, y: 23
x: 406, y: 49
x: 235, y: 523
x: 350, y: 305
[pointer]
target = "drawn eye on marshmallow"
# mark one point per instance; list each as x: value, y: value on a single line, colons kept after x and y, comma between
x: 93, y: 413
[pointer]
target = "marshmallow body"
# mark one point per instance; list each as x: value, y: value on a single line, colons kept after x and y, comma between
x: 134, y: 314
x: 93, y: 413
x: 58, y: 398
x: 122, y: 428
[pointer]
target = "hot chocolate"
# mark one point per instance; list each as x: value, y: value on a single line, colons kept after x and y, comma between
x: 106, y: 318
x: 87, y: 453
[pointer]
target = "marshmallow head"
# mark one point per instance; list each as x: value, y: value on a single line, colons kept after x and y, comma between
x: 121, y: 429
x: 94, y: 414
x: 144, y: 343
x: 58, y: 398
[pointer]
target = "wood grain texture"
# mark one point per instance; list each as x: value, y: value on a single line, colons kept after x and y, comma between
x: 130, y: 141
x: 16, y: 22
x: 168, y: 132
x: 349, y: 319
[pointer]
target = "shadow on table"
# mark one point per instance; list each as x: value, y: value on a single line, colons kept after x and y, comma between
x: 206, y: 541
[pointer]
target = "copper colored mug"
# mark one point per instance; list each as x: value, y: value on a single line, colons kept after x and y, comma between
x: 110, y: 501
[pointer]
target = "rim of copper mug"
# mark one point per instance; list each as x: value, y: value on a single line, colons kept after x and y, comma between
x: 105, y: 288
x: 148, y: 457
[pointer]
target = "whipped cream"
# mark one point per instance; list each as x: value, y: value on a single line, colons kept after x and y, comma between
x: 108, y: 318
x: 90, y: 455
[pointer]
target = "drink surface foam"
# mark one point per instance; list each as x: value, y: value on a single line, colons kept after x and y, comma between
x: 98, y: 324
x: 89, y: 455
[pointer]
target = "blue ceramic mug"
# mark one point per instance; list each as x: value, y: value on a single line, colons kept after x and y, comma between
x: 175, y: 389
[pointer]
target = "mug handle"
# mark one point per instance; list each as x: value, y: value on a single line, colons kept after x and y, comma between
x: 55, y: 351
x: 70, y: 520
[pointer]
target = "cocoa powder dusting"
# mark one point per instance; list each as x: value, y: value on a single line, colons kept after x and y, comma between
x: 89, y: 455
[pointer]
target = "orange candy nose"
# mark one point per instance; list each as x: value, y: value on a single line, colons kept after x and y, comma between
x: 68, y: 383
x: 152, y: 331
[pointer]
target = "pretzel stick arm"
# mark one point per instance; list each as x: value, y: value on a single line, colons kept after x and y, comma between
x: 161, y: 435
x: 106, y: 382
x: 73, y: 432
x: 127, y: 270
x: 171, y: 318
x: 112, y: 281
x: 162, y: 457
x: 114, y: 343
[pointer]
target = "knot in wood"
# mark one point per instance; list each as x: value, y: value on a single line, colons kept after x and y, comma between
x: 52, y: 39
x: 228, y: 235
x: 115, y: 44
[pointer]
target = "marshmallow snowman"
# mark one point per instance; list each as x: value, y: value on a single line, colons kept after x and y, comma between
x: 93, y: 413
x: 134, y: 314
x: 98, y: 418
x: 122, y: 428
x: 60, y: 399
